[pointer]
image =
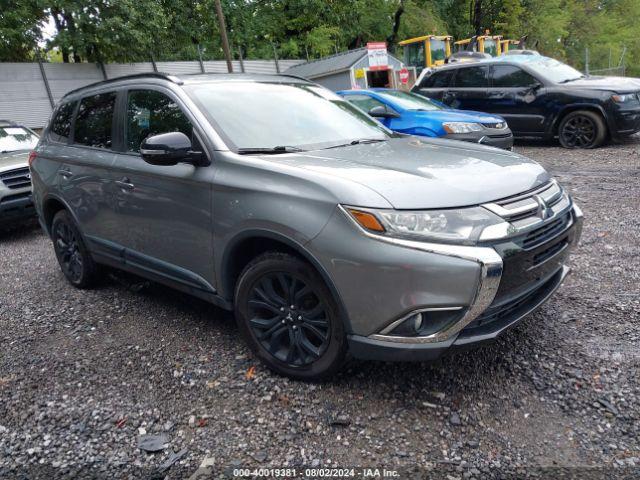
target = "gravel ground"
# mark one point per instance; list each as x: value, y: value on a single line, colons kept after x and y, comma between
x: 84, y: 373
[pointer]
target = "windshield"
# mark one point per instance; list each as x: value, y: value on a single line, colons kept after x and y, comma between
x: 554, y: 70
x: 490, y: 47
x: 437, y: 50
x: 269, y: 115
x: 409, y: 101
x: 16, y: 138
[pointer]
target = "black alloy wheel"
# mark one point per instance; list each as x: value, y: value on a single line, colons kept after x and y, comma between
x: 75, y: 262
x: 582, y: 129
x: 289, y: 318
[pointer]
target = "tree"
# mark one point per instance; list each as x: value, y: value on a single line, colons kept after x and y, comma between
x: 21, y: 26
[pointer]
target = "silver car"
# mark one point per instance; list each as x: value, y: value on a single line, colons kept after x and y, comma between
x: 16, y: 142
x: 327, y: 234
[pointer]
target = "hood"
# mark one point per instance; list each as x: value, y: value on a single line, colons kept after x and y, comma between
x: 611, y: 84
x: 11, y: 160
x: 455, y: 116
x: 420, y: 173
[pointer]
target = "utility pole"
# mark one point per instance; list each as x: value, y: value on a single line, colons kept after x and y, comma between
x: 223, y: 36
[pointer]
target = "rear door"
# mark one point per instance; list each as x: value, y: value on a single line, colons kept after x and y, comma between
x: 469, y: 89
x: 83, y: 177
x: 519, y: 98
x: 165, y: 211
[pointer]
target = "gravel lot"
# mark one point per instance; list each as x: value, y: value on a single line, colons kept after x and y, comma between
x: 84, y: 373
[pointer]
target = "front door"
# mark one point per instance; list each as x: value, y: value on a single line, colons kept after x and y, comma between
x: 165, y: 211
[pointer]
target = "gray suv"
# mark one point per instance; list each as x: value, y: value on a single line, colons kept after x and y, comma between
x: 328, y: 235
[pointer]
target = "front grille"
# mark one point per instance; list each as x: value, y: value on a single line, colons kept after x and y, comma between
x: 507, y: 310
x: 15, y: 179
x: 548, y: 253
x: 546, y: 232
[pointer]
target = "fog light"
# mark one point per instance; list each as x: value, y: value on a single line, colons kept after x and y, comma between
x: 424, y: 323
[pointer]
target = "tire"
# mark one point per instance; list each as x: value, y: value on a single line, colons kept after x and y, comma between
x: 582, y: 129
x: 289, y: 318
x: 75, y: 261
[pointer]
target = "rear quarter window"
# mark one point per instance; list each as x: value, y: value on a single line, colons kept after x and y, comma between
x: 437, y: 80
x: 60, y: 130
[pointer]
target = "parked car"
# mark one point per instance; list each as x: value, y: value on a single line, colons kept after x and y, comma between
x: 323, y: 231
x: 16, y: 142
x: 413, y: 114
x: 541, y: 98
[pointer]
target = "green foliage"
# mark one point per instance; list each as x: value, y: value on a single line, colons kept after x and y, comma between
x: 20, y: 27
x: 135, y: 30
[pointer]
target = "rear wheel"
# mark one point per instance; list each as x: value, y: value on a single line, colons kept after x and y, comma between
x: 289, y: 318
x: 75, y: 261
x: 582, y: 129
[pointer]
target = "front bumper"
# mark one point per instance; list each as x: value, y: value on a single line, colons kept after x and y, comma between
x: 510, y: 288
x: 15, y: 206
x: 497, y: 320
x: 625, y: 121
x: 492, y: 137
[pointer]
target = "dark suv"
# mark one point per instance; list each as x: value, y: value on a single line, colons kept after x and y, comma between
x: 324, y: 231
x: 541, y: 98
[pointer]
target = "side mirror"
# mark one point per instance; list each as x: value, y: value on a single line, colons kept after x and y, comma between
x: 168, y: 149
x: 535, y: 87
x: 382, y: 112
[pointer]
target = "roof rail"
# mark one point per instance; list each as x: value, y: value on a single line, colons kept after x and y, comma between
x: 291, y: 75
x: 162, y: 75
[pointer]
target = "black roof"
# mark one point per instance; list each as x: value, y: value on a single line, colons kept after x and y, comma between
x: 191, y: 78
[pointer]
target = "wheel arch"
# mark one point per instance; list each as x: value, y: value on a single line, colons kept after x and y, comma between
x: 248, y: 245
x: 574, y: 107
x: 51, y: 205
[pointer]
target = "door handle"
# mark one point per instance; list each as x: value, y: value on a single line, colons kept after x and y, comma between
x: 125, y: 184
x: 65, y: 173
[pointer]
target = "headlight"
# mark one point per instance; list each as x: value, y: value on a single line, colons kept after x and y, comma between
x: 461, y: 127
x: 463, y: 225
x: 629, y: 97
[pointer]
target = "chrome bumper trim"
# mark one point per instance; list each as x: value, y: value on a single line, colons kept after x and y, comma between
x: 490, y: 274
x: 394, y: 324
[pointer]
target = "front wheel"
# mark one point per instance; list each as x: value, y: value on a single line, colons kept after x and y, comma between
x: 582, y: 129
x: 289, y: 318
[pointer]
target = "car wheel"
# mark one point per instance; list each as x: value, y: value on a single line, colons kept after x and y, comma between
x: 289, y: 318
x: 582, y: 129
x: 75, y: 261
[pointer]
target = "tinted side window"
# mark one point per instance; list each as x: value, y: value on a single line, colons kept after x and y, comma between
x: 149, y: 113
x: 437, y: 80
x: 364, y: 102
x: 61, y: 123
x: 511, y: 76
x: 473, y: 77
x: 94, y: 121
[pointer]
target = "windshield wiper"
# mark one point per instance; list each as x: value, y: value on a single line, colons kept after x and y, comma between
x: 358, y: 142
x: 270, y: 150
x: 572, y: 79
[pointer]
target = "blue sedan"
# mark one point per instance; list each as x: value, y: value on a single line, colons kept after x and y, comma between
x: 413, y: 114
